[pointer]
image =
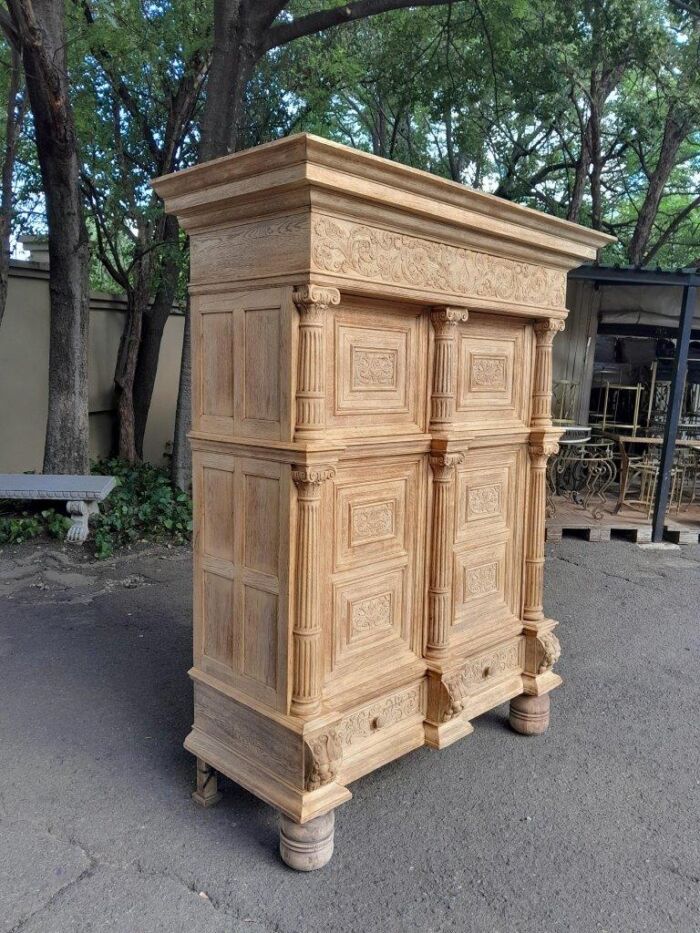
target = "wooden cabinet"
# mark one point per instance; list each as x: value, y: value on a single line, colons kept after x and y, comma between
x: 371, y: 388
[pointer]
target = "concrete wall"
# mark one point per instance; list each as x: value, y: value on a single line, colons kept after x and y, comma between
x: 24, y: 360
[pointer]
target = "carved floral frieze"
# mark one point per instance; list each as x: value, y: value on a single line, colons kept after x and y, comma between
x: 345, y: 248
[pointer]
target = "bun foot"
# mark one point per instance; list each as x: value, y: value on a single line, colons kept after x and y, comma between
x: 529, y: 715
x: 307, y: 846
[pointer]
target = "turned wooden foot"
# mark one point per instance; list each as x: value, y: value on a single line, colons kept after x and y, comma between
x: 307, y: 846
x: 529, y: 715
x: 207, y: 793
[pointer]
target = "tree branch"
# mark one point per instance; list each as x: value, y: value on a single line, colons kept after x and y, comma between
x: 308, y: 25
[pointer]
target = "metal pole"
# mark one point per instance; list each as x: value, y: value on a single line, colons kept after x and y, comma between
x: 680, y: 364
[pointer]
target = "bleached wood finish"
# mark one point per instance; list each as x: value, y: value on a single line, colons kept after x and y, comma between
x: 372, y: 354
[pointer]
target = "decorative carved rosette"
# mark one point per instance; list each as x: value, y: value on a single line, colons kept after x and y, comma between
x: 325, y: 755
x: 306, y: 633
x: 440, y: 591
x: 445, y: 321
x: 312, y: 302
x: 545, y: 331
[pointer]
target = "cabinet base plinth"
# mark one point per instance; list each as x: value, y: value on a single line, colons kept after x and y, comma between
x: 307, y: 846
x: 444, y: 734
x: 529, y: 715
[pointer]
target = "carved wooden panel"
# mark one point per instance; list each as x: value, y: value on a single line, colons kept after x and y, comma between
x: 493, y: 371
x: 489, y: 526
x: 241, y: 555
x: 373, y: 347
x: 376, y: 600
x: 241, y: 360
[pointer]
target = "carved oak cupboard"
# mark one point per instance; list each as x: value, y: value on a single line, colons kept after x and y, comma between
x: 372, y: 353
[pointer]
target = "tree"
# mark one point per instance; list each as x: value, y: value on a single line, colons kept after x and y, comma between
x: 16, y: 105
x: 37, y: 29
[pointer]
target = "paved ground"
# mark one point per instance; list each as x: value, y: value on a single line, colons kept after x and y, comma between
x: 591, y: 827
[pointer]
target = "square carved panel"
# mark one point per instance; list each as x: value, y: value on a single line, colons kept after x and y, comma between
x: 370, y: 520
x: 487, y: 488
x: 372, y: 366
x: 493, y: 371
x: 480, y: 581
x: 371, y: 352
x: 368, y: 612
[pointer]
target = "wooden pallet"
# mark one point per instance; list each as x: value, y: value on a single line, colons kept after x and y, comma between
x: 572, y: 521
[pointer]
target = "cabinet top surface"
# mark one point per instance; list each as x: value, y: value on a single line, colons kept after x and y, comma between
x: 302, y: 170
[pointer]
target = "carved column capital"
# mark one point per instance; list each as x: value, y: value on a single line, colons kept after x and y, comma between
x: 315, y: 299
x: 443, y: 466
x: 547, y: 329
x: 313, y: 476
x: 445, y: 319
x: 541, y: 451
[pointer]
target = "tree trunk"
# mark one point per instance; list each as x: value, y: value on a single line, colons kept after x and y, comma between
x: 40, y: 26
x: 233, y: 59
x: 125, y: 370
x: 181, y: 463
x: 16, y: 104
x: 676, y: 129
x: 155, y: 317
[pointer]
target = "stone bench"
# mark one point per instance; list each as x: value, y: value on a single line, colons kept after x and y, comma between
x: 80, y: 493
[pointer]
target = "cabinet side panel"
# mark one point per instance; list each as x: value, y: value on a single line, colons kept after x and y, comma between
x: 241, y: 582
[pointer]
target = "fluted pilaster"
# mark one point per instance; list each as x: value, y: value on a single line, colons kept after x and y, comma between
x: 312, y: 302
x: 442, y: 534
x: 534, y: 549
x: 445, y: 321
x: 306, y: 633
x: 545, y: 331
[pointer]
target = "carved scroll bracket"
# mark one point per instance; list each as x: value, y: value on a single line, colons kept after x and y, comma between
x: 445, y: 321
x: 324, y: 757
x: 312, y: 302
x: 306, y: 633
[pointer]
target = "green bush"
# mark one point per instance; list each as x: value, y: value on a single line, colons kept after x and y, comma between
x: 143, y: 506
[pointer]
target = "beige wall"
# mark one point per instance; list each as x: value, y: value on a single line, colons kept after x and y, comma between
x: 24, y: 355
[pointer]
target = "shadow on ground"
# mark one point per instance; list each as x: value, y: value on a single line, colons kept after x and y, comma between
x: 593, y: 826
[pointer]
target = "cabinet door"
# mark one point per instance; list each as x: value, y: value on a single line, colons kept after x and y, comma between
x: 375, y: 599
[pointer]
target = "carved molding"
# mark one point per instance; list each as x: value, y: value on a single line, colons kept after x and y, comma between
x: 325, y: 755
x: 342, y: 247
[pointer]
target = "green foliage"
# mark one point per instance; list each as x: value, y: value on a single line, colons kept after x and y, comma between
x: 144, y: 506
x: 14, y: 529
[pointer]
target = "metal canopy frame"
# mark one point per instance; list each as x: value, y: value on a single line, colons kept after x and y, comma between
x: 689, y: 280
